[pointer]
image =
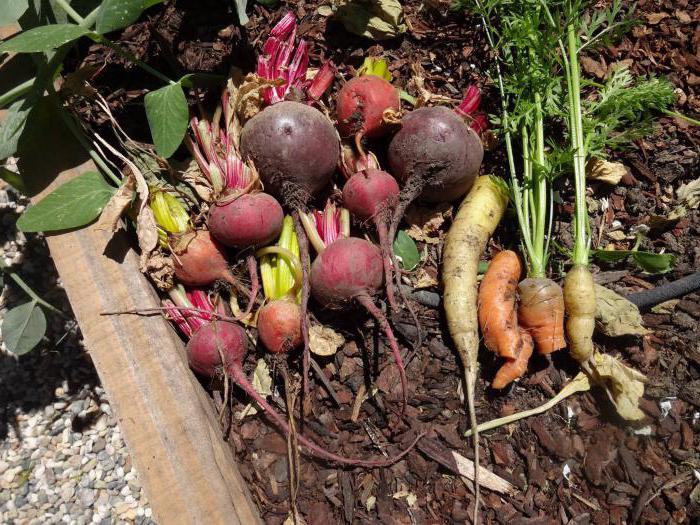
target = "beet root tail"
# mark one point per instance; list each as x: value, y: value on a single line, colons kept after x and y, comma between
x: 305, y: 292
x: 366, y: 302
x: 380, y: 224
x: 236, y: 373
x: 254, y: 284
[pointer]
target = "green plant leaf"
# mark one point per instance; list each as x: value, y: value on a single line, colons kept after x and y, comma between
x: 11, y: 10
x: 611, y: 256
x: 12, y: 126
x: 73, y: 204
x: 23, y: 327
x: 44, y: 38
x: 168, y: 117
x: 654, y: 262
x: 406, y: 250
x: 116, y: 14
x: 13, y: 179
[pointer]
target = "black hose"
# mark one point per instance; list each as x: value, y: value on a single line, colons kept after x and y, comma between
x: 666, y: 292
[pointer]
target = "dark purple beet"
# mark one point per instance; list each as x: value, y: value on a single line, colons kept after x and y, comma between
x: 295, y: 149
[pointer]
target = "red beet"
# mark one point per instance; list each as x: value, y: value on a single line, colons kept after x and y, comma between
x: 279, y: 326
x: 435, y: 155
x: 348, y: 270
x: 371, y: 195
x: 252, y: 219
x: 361, y: 103
x: 295, y: 149
x: 199, y: 260
x: 220, y: 347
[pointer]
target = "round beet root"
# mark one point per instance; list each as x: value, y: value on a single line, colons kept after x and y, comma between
x: 361, y: 103
x: 253, y: 219
x: 436, y: 149
x: 199, y: 260
x: 214, y: 341
x: 279, y: 326
x: 345, y: 270
x: 369, y: 192
x: 295, y: 149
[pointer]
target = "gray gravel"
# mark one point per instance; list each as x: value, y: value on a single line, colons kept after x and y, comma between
x: 62, y: 456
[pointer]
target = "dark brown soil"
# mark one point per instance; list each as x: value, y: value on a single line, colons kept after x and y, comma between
x: 576, y: 463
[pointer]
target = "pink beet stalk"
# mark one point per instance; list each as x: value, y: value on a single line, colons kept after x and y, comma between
x: 189, y: 321
x: 468, y: 109
x: 282, y: 61
x: 216, y: 151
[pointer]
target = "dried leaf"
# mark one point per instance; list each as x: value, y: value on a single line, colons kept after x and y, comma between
x: 689, y: 199
x: 117, y: 205
x: 425, y: 222
x: 424, y: 279
x: 667, y: 307
x: 161, y: 269
x: 147, y: 232
x: 324, y: 341
x: 605, y: 171
x: 262, y: 383
x: 624, y: 385
x: 615, y: 315
x: 375, y: 19
x: 246, y: 96
x: 193, y: 176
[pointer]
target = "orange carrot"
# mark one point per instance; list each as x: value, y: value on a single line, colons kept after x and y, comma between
x: 514, y: 368
x: 541, y: 313
x: 497, y: 315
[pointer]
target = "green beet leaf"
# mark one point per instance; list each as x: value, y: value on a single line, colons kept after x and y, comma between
x: 117, y: 14
x: 11, y: 10
x: 44, y: 38
x: 76, y: 203
x: 406, y: 251
x: 168, y: 117
x: 23, y: 328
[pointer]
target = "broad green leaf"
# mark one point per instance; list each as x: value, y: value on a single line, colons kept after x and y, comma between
x: 13, y: 179
x: 116, y: 14
x: 407, y: 252
x: 44, y: 38
x: 23, y: 328
x: 654, y: 262
x: 71, y: 205
x: 11, y: 10
x: 647, y: 261
x: 168, y: 117
x: 611, y: 256
x: 12, y: 126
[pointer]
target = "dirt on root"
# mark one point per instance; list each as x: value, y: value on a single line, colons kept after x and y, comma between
x: 575, y: 464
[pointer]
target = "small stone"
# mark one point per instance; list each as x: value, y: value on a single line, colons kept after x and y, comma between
x: 67, y: 493
x: 87, y: 497
x: 98, y: 445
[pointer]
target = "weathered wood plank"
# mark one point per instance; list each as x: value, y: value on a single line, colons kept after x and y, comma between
x: 188, y: 472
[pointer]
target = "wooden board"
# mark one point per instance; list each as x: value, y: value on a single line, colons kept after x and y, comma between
x: 188, y: 472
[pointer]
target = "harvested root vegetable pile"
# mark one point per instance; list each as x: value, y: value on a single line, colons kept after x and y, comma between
x: 400, y: 244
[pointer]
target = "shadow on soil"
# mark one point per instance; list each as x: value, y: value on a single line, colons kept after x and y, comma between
x: 29, y: 383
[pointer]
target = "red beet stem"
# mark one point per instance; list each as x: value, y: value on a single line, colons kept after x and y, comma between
x: 380, y: 223
x: 366, y: 301
x: 241, y: 380
x: 254, y: 284
x: 305, y: 292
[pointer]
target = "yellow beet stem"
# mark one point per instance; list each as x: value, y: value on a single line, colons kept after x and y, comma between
x: 579, y: 298
x: 476, y: 220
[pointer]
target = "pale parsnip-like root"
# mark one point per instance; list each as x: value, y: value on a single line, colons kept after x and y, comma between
x: 476, y: 220
x: 579, y: 298
x: 541, y: 313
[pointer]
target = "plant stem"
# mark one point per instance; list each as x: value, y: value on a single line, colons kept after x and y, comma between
x: 27, y: 289
x: 73, y: 128
x: 90, y: 18
x: 581, y: 242
x: 16, y: 92
x: 681, y: 116
x: 132, y: 58
x: 72, y: 13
